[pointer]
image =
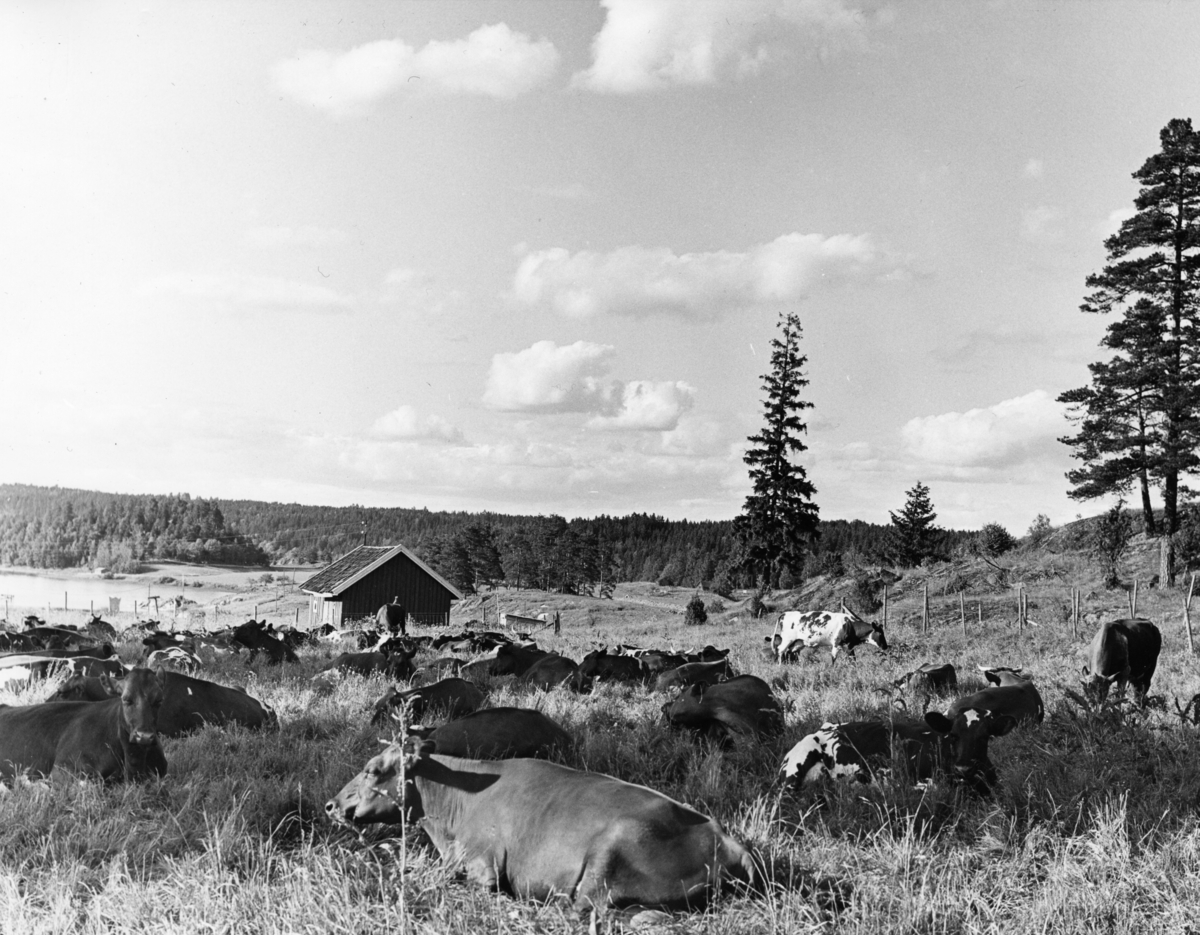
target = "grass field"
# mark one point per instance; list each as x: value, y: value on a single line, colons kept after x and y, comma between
x: 1093, y: 827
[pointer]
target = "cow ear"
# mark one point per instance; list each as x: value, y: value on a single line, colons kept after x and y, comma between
x: 109, y: 684
x: 1086, y: 670
x: 939, y: 722
x: 1002, y: 724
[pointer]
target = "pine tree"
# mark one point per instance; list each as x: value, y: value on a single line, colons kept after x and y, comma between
x: 912, y: 535
x: 1140, y: 418
x: 779, y: 519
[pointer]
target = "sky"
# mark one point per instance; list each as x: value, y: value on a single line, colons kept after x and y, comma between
x: 529, y: 257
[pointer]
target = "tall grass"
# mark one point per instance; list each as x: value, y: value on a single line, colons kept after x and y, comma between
x: 1092, y: 828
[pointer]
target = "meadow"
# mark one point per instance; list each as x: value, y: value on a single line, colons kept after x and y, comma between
x: 1092, y: 828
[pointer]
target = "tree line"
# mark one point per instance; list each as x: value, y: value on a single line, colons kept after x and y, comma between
x: 54, y: 527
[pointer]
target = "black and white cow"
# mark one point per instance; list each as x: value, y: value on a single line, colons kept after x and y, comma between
x: 796, y: 630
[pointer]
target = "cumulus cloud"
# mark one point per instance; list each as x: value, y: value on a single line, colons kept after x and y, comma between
x: 1012, y: 432
x: 308, y: 235
x: 254, y: 293
x: 645, y: 45
x: 493, y: 61
x: 403, y: 424
x: 648, y: 405
x: 547, y: 378
x: 1042, y: 225
x: 642, y: 281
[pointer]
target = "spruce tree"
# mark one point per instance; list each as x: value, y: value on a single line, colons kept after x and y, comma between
x: 1140, y: 418
x: 911, y: 538
x: 779, y: 519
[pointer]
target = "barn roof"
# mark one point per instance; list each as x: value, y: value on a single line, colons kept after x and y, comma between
x: 356, y: 564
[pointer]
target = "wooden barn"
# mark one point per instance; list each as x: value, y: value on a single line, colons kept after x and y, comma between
x: 360, y: 582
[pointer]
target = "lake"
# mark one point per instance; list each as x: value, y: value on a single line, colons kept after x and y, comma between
x: 38, y: 591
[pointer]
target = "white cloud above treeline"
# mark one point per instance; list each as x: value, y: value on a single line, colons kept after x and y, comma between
x: 646, y: 45
x: 639, y: 281
x: 549, y: 378
x: 1010, y: 433
x: 493, y: 61
x: 403, y: 424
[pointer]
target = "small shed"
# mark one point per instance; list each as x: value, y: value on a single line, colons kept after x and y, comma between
x: 360, y: 582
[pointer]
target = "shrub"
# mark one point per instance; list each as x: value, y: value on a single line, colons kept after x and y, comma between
x: 1039, y: 529
x: 862, y: 599
x: 1110, y: 540
x: 696, y: 614
x: 995, y: 540
x: 716, y: 606
x: 757, y: 606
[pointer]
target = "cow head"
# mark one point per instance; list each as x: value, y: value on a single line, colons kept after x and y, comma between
x: 876, y: 637
x: 375, y: 794
x: 1096, y: 686
x: 969, y: 733
x: 141, y: 698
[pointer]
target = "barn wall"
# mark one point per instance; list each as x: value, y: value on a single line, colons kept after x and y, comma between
x: 419, y: 593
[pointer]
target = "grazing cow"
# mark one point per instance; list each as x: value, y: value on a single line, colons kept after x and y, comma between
x: 396, y: 666
x: 853, y: 750
x: 498, y: 734
x: 1125, y: 652
x: 973, y: 720
x: 694, y: 673
x: 117, y: 738
x: 931, y: 677
x: 599, y: 666
x: 539, y: 830
x: 795, y: 631
x: 255, y: 637
x: 453, y: 696
x: 550, y: 671
x: 188, y: 703
x: 390, y: 618
x: 743, y: 707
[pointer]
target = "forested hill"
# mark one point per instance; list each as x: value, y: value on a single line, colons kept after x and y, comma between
x: 54, y: 527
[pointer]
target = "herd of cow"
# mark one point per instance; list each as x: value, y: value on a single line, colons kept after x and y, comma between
x: 482, y: 785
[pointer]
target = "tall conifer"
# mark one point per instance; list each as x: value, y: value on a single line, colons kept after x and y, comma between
x: 779, y: 519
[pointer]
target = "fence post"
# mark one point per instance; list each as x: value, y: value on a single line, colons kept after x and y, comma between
x: 64, y: 600
x: 925, y: 608
x: 297, y: 623
x: 980, y: 606
x: 1074, y: 613
x: 962, y: 611
x: 885, y: 597
x: 1187, y: 616
x: 1132, y: 596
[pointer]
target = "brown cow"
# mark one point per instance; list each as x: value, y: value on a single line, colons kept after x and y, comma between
x: 743, y: 707
x: 539, y: 829
x: 188, y: 703
x: 549, y: 671
x: 694, y: 673
x: 117, y: 738
x: 1125, y: 652
x: 453, y: 696
x: 498, y: 734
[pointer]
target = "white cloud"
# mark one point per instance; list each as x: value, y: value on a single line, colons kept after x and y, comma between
x: 1012, y: 432
x: 646, y: 45
x: 1042, y: 225
x: 638, y: 280
x: 547, y: 378
x: 649, y: 405
x: 1034, y: 169
x: 307, y: 236
x: 403, y: 424
x: 241, y: 291
x: 493, y: 61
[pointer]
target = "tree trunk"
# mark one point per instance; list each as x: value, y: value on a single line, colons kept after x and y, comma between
x: 1166, y: 561
x: 1147, y: 509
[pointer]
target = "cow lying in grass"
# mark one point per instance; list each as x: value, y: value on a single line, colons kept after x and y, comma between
x: 539, y: 830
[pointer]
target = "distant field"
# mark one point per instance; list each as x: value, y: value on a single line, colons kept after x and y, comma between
x: 1094, y: 826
